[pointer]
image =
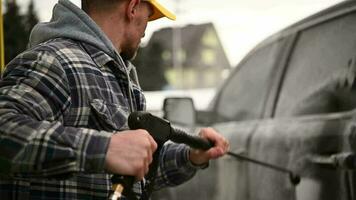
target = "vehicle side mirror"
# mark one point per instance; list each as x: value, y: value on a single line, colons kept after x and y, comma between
x: 179, y: 110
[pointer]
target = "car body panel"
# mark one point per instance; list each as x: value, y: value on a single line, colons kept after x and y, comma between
x: 290, y: 143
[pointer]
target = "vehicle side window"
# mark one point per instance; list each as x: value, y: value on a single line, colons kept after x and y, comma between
x: 320, y: 69
x: 246, y: 91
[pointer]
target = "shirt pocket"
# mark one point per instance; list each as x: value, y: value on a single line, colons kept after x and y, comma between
x: 109, y: 116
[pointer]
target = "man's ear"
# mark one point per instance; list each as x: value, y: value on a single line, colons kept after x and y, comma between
x: 132, y: 8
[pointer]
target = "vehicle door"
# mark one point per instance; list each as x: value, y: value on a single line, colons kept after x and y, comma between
x: 320, y: 78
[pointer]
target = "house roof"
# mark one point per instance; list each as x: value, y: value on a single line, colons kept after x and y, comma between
x: 190, y: 41
x: 189, y: 34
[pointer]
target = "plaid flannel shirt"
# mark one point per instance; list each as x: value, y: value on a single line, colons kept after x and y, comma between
x: 59, y: 104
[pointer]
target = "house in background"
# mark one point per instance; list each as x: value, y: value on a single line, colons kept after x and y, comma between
x: 182, y: 58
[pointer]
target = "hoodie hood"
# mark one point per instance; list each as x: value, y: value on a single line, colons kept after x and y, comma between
x: 69, y: 21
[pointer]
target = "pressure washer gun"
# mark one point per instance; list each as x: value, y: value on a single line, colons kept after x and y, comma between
x: 161, y: 131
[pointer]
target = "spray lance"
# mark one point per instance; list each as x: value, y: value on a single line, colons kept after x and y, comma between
x: 162, y: 131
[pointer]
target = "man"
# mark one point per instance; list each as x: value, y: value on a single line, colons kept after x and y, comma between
x: 64, y: 105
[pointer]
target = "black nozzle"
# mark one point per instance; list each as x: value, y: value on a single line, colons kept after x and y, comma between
x: 294, y: 178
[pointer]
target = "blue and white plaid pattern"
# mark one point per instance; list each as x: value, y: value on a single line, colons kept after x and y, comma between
x: 59, y: 104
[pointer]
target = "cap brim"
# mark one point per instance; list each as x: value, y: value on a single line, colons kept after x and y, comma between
x: 159, y: 11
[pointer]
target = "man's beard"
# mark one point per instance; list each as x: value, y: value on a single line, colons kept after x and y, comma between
x: 129, y: 55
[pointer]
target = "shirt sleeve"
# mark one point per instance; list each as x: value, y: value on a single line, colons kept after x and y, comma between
x: 34, y: 94
x: 175, y: 167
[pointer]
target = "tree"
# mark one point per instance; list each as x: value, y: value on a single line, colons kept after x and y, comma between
x: 150, y: 68
x: 17, y: 28
x: 14, y: 31
x: 31, y: 18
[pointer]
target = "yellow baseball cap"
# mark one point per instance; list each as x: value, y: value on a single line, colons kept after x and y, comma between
x: 159, y: 11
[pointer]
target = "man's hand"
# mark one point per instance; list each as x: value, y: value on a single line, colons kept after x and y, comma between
x: 221, y: 146
x: 130, y: 153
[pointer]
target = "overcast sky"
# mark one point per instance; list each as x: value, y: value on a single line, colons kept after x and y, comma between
x: 241, y: 24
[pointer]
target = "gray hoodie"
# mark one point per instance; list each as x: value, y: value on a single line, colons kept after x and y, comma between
x: 69, y: 21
